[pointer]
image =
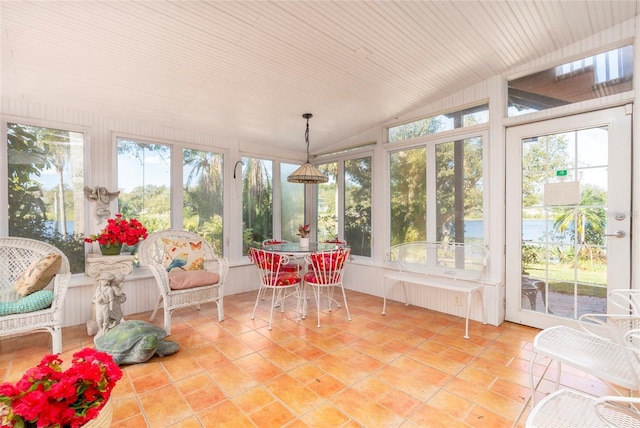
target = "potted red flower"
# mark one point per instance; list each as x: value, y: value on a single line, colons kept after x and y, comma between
x: 117, y: 232
x: 47, y: 397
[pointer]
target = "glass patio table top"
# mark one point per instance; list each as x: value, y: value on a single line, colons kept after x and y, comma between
x: 294, y: 247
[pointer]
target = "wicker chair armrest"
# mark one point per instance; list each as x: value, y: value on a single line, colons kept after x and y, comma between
x: 60, y: 286
x: 159, y: 271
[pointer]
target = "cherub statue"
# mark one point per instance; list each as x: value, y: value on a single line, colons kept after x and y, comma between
x: 108, y: 298
x: 103, y: 197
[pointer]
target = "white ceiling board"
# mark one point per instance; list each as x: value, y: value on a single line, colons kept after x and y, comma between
x: 250, y: 69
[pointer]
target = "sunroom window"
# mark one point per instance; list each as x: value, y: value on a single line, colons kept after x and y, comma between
x: 144, y: 182
x: 146, y: 192
x: 437, y: 192
x: 45, y: 186
x: 444, y: 122
x: 596, y: 76
x: 344, y: 202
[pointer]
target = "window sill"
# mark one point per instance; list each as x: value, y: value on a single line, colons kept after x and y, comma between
x: 82, y: 280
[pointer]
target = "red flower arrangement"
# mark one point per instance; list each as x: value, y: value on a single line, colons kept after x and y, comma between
x: 46, y: 396
x: 120, y: 231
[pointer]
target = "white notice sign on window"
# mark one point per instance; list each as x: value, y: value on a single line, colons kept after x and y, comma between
x: 563, y: 193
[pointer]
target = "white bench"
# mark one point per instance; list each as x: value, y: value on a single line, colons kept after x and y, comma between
x: 448, y: 266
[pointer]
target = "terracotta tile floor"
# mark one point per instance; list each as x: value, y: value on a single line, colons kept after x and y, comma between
x: 410, y: 368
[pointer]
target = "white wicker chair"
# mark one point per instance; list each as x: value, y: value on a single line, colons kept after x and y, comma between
x: 16, y: 255
x: 151, y: 255
x: 597, y: 348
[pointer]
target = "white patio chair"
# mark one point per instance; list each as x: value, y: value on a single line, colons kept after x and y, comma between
x: 325, y: 272
x: 597, y: 348
x: 24, y: 314
x: 275, y: 276
x: 186, y: 270
x: 570, y: 409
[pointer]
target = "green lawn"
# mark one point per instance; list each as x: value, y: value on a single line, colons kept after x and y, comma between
x: 596, y: 277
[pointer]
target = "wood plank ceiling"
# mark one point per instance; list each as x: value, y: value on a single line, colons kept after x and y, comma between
x: 249, y: 69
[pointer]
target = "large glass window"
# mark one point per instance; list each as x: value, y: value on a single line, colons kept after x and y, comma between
x: 257, y: 202
x: 443, y: 122
x: 46, y: 188
x: 144, y: 181
x: 202, y: 191
x: 327, y: 204
x: 344, y: 203
x: 437, y: 192
x: 408, y: 171
x: 596, y: 76
x: 291, y: 203
x: 357, y: 205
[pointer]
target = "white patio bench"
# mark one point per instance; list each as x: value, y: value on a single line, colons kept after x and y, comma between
x: 448, y: 266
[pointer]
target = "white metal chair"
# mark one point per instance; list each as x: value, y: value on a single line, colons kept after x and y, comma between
x: 325, y: 272
x: 193, y: 255
x: 16, y: 256
x: 597, y: 348
x: 274, y: 276
x: 569, y: 409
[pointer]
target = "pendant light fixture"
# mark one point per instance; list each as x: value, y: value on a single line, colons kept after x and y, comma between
x: 307, y: 173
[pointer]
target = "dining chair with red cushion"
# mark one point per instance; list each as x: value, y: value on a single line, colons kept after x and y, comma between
x: 325, y: 272
x: 274, y: 276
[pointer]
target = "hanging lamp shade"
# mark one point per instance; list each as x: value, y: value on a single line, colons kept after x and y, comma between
x: 307, y: 173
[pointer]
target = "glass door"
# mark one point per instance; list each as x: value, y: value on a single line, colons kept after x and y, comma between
x: 568, y: 216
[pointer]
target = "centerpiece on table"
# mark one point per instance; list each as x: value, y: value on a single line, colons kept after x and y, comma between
x: 303, y: 233
x: 118, y: 232
x: 48, y: 397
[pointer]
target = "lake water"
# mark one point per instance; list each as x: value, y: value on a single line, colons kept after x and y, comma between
x: 532, y: 230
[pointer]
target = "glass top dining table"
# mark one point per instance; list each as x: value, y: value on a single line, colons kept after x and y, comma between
x: 294, y: 247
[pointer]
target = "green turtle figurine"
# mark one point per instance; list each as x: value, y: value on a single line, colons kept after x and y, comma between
x: 135, y: 341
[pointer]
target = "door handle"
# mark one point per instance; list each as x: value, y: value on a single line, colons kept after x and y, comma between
x: 618, y: 234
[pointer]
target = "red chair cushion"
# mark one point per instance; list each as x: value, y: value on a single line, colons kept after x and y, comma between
x: 329, y: 262
x: 266, y: 260
x: 288, y: 278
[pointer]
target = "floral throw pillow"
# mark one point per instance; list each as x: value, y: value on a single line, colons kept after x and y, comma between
x: 38, y: 275
x: 183, y: 255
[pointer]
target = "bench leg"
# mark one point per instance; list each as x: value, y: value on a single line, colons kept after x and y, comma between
x: 384, y: 296
x: 484, y: 320
x: 466, y: 320
x: 384, y: 299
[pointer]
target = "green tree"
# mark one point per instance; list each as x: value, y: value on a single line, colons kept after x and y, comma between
x: 257, y: 203
x: 586, y: 223
x: 28, y: 156
x: 541, y: 157
x: 357, y: 216
x: 408, y: 196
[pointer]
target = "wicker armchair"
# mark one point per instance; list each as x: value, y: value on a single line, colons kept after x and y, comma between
x: 16, y: 256
x: 152, y: 254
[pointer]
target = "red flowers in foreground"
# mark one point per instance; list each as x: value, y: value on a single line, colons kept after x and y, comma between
x: 48, y: 397
x: 120, y: 231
